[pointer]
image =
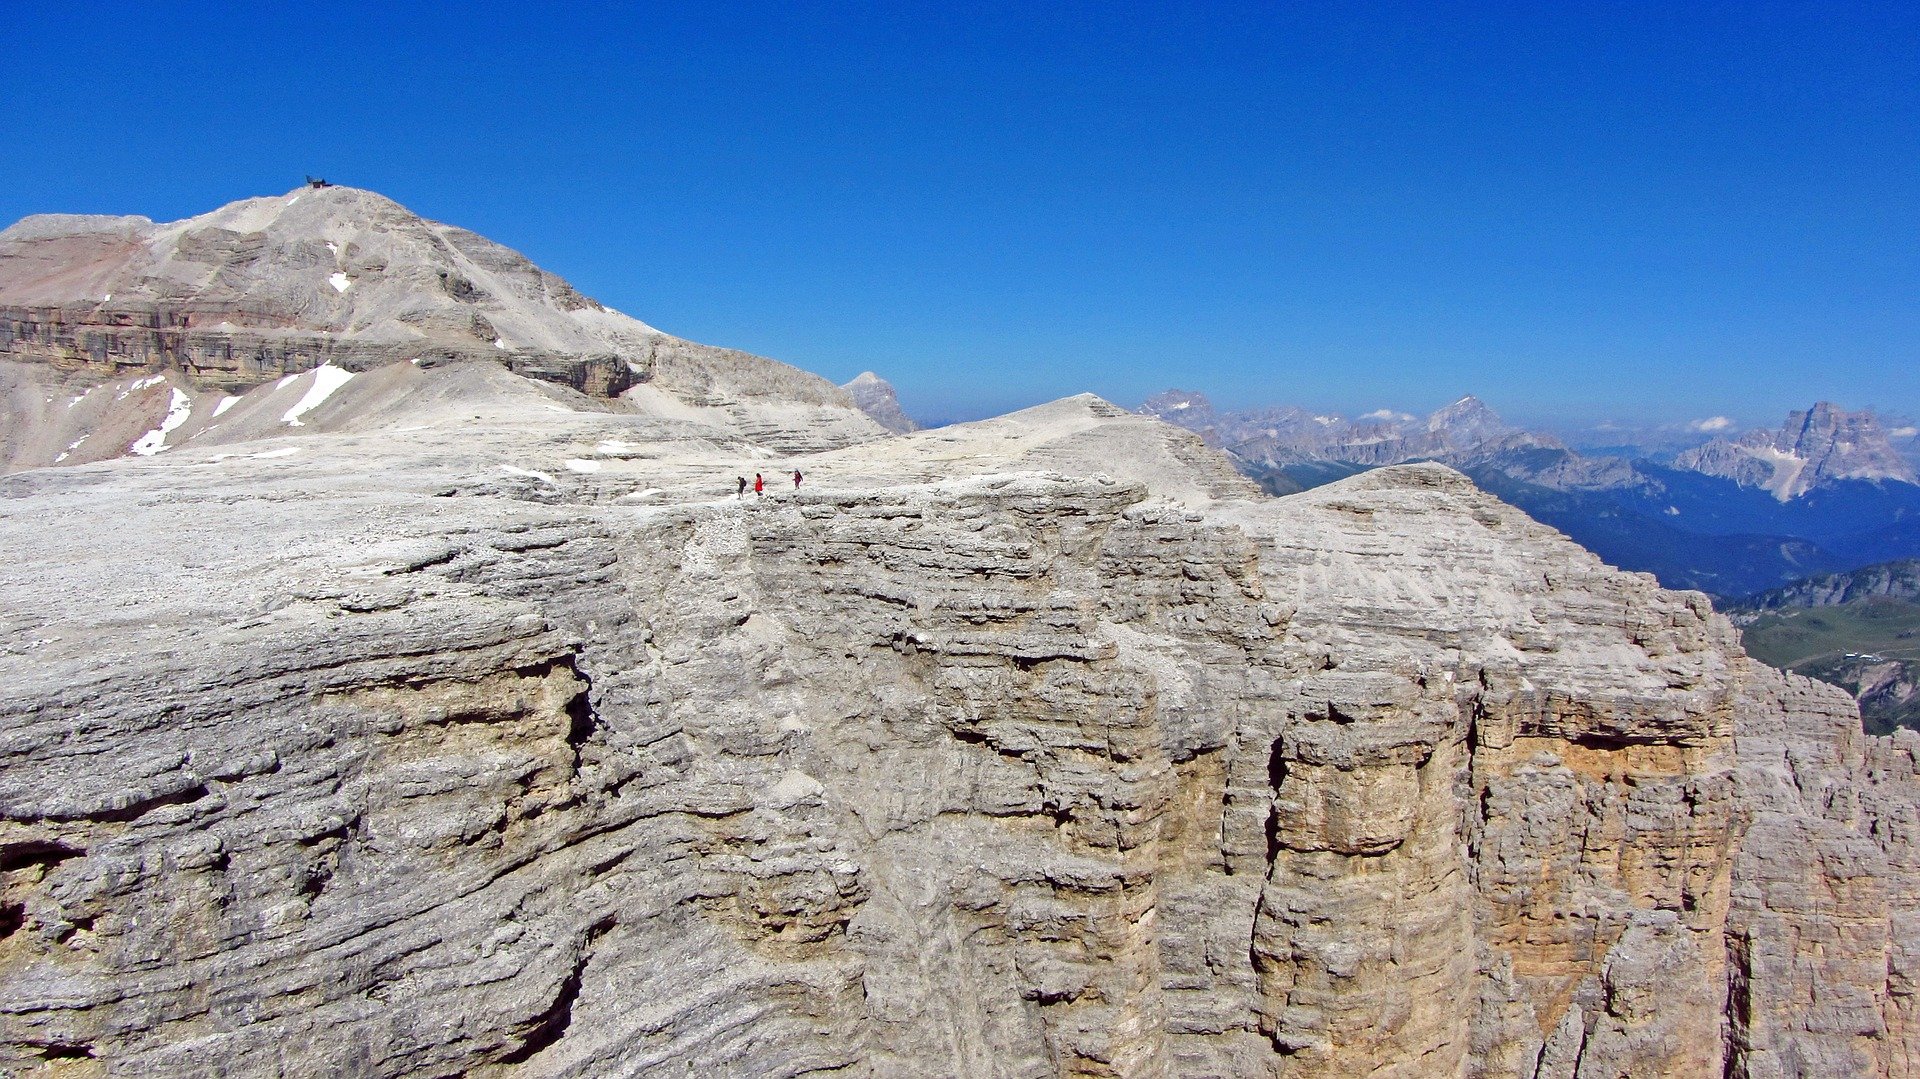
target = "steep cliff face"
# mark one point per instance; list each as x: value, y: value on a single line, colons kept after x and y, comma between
x: 371, y: 760
x: 447, y: 721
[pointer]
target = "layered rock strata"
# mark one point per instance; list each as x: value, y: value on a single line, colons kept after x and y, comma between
x: 445, y: 722
x: 1016, y: 774
x: 265, y: 288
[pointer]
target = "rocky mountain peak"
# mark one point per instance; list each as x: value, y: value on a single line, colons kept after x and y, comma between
x: 875, y: 396
x: 1188, y: 405
x: 1815, y: 447
x: 324, y: 284
x: 1467, y: 410
x: 266, y: 287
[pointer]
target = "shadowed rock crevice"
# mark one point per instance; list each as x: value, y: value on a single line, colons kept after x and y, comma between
x: 552, y: 1023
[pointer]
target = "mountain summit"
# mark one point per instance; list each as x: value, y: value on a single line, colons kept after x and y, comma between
x: 267, y: 287
x: 296, y: 294
x: 1814, y: 448
x: 875, y: 397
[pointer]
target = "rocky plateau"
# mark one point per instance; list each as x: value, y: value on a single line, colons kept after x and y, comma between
x: 457, y: 717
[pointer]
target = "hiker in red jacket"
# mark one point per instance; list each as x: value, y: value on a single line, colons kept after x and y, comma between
x: 796, y: 479
x: 759, y: 485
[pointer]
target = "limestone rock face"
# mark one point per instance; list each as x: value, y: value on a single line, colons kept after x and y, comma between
x: 380, y: 718
x: 373, y: 759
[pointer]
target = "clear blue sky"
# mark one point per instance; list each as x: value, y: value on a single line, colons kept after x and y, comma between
x: 1658, y: 211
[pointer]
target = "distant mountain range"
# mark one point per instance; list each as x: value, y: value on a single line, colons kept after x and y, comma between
x: 1825, y: 492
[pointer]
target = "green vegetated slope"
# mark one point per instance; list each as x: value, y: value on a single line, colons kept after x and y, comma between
x: 1869, y: 646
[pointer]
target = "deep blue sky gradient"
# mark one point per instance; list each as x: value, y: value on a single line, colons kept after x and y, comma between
x: 1659, y: 212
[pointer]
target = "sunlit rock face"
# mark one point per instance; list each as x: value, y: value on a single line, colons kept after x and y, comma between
x: 264, y: 292
x: 403, y: 743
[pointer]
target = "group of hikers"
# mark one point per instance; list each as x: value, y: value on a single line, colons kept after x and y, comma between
x: 760, y: 484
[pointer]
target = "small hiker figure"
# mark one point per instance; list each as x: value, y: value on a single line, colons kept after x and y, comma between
x: 796, y: 479
x: 742, y: 492
x: 759, y: 485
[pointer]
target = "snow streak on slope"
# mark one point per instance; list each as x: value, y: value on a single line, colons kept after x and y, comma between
x: 155, y: 440
x: 326, y: 379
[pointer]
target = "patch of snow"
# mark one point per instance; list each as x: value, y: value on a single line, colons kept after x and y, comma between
x: 225, y: 403
x: 635, y: 496
x: 156, y: 440
x: 1326, y: 421
x: 500, y: 343
x: 326, y: 379
x: 333, y: 247
x: 293, y: 200
x: 287, y: 451
x: 340, y: 282
x: 107, y: 297
x: 415, y: 361
x: 581, y: 465
x: 1183, y: 406
x: 1786, y: 470
x: 138, y: 385
x: 283, y: 383
x: 75, y: 444
x: 1903, y: 432
x: 530, y: 474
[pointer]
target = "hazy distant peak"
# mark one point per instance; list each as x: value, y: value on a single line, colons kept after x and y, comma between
x: 1468, y: 411
x: 46, y: 226
x: 874, y: 396
x: 1818, y: 446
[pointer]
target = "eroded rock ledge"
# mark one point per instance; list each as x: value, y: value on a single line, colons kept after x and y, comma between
x: 1008, y: 776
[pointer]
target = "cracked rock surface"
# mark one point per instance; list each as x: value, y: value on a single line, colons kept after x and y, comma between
x: 965, y: 758
x: 399, y: 682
